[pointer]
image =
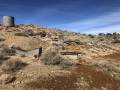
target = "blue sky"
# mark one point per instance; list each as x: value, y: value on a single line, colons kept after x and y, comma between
x: 85, y: 16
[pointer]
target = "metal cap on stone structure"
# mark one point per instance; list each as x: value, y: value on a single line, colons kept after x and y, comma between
x: 8, y: 21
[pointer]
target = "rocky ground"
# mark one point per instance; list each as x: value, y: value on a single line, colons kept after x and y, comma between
x: 95, y: 67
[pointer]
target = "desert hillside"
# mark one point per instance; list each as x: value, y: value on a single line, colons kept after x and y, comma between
x: 41, y: 58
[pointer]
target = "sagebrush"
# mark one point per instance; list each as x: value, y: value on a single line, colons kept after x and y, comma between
x: 52, y: 57
x: 12, y: 65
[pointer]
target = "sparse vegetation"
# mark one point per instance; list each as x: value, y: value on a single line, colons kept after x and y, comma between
x: 21, y: 34
x: 52, y: 57
x: 91, y: 36
x: 3, y: 58
x: 115, y: 35
x: 116, y: 41
x: 53, y: 68
x: 108, y: 34
x: 8, y: 70
x: 6, y: 78
x: 76, y: 41
x: 101, y: 34
x: 12, y: 65
x: 8, y: 51
x: 2, y: 39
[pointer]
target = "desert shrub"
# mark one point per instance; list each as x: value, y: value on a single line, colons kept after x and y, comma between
x: 66, y: 63
x: 12, y: 65
x: 2, y: 39
x: 52, y: 57
x: 6, y: 78
x: 23, y: 55
x: 101, y: 39
x: 101, y: 34
x: 116, y: 41
x: 28, y: 32
x: 115, y: 37
x: 115, y: 34
x: 108, y: 34
x: 61, y: 36
x: 91, y: 36
x: 21, y: 34
x: 8, y: 51
x: 3, y: 58
x: 43, y: 34
x: 76, y: 41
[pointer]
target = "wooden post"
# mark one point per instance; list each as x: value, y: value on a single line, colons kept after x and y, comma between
x: 40, y: 52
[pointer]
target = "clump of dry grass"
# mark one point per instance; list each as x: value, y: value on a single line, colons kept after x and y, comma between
x: 8, y: 51
x: 21, y: 34
x: 9, y: 69
x: 74, y: 42
x: 91, y: 36
x: 52, y: 57
x: 2, y: 39
x: 12, y: 65
x: 3, y: 58
x: 116, y: 41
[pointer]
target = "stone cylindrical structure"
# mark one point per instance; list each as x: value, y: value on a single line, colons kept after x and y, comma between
x: 8, y: 21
